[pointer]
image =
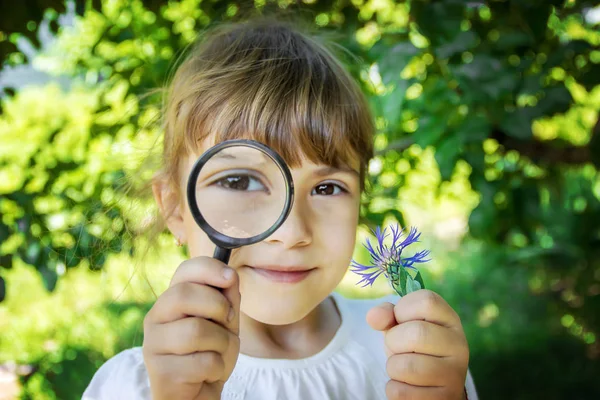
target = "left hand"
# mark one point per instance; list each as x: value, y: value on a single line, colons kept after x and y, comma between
x: 428, y: 353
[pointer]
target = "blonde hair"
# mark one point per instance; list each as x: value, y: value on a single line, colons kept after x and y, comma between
x: 264, y: 79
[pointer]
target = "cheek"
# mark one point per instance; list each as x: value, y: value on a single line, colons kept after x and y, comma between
x: 337, y: 226
x: 198, y: 242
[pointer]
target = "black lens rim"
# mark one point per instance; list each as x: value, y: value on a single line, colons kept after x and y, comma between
x: 216, y: 237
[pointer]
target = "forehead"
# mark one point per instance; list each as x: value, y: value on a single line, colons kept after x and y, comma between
x: 294, y: 156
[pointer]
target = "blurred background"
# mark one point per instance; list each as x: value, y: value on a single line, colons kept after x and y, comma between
x: 488, y: 141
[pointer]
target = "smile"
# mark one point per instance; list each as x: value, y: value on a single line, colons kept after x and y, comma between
x: 282, y: 274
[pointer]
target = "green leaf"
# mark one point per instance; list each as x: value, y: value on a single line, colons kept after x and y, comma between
x: 401, y: 289
x: 392, y: 60
x: 4, y: 231
x: 431, y: 129
x: 6, y: 261
x: 49, y: 275
x: 462, y: 42
x: 557, y: 99
x: 446, y: 155
x: 475, y: 157
x: 483, y: 67
x: 535, y: 16
x: 501, y: 84
x: 397, y: 214
x: 419, y: 279
x: 474, y: 129
x: 393, y: 104
x: 439, y: 21
x: 482, y: 219
x: 2, y: 289
x: 412, y: 285
x: 509, y: 40
x: 517, y: 124
x: 32, y: 253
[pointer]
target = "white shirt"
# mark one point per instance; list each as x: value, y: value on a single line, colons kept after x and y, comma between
x: 350, y: 367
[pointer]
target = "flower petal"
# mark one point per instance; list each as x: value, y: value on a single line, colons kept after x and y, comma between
x: 419, y: 257
x: 381, y: 235
x: 357, y: 267
x: 369, y: 278
x: 396, y: 235
x: 413, y: 237
x: 374, y: 253
x: 388, y: 260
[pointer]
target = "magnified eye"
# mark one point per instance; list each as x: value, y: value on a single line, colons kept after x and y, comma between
x: 241, y: 183
x: 328, y: 189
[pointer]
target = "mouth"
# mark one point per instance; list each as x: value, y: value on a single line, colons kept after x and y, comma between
x: 283, y: 274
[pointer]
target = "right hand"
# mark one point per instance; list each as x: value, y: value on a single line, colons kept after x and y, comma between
x: 190, y: 343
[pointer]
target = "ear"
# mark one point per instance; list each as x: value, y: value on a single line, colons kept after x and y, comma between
x: 169, y: 205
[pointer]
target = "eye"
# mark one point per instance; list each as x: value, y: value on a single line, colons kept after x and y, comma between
x: 328, y: 189
x: 241, y: 182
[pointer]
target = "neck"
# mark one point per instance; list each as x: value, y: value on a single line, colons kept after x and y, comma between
x: 300, y: 339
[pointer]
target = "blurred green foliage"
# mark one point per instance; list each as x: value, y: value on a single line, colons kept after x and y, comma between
x: 484, y: 110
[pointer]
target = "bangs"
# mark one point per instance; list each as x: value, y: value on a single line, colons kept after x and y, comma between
x: 276, y: 86
x: 296, y: 111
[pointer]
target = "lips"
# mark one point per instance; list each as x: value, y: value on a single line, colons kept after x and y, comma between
x: 283, y: 274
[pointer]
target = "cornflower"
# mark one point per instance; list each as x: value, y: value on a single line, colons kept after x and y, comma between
x: 388, y: 261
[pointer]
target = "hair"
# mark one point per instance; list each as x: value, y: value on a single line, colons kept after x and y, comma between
x: 267, y: 80
x: 264, y: 79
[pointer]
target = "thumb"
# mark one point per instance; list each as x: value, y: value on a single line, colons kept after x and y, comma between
x: 381, y: 317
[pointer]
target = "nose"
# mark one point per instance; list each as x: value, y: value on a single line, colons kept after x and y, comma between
x: 296, y: 230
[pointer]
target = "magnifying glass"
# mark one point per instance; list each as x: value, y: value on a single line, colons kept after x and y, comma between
x: 239, y: 192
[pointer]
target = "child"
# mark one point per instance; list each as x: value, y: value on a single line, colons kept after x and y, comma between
x: 269, y: 325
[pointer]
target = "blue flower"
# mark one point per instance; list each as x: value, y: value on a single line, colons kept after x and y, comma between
x: 388, y: 260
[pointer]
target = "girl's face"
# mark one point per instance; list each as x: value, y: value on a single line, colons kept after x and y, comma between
x: 316, y: 241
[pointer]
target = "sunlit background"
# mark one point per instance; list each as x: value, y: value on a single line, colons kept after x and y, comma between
x: 488, y: 141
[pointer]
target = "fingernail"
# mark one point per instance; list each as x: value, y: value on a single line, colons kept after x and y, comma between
x: 227, y: 273
x: 230, y: 315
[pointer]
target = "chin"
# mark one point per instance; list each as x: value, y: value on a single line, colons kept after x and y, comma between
x: 275, y: 302
x: 278, y: 310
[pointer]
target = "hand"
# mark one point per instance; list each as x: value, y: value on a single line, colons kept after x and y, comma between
x: 191, y: 334
x: 428, y: 354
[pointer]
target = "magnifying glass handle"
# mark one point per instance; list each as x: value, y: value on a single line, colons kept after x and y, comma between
x: 222, y: 254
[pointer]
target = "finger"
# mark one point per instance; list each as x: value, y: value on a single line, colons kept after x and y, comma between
x: 424, y: 338
x: 395, y: 390
x: 204, y: 270
x: 232, y: 293
x: 426, y: 305
x: 207, y: 366
x: 420, y: 370
x: 190, y: 299
x: 381, y: 317
x: 193, y: 335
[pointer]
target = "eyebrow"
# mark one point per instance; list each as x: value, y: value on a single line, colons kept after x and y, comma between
x: 225, y: 155
x: 322, y: 171
x: 329, y: 170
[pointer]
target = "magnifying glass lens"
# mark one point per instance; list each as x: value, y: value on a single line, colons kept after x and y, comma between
x: 241, y: 192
